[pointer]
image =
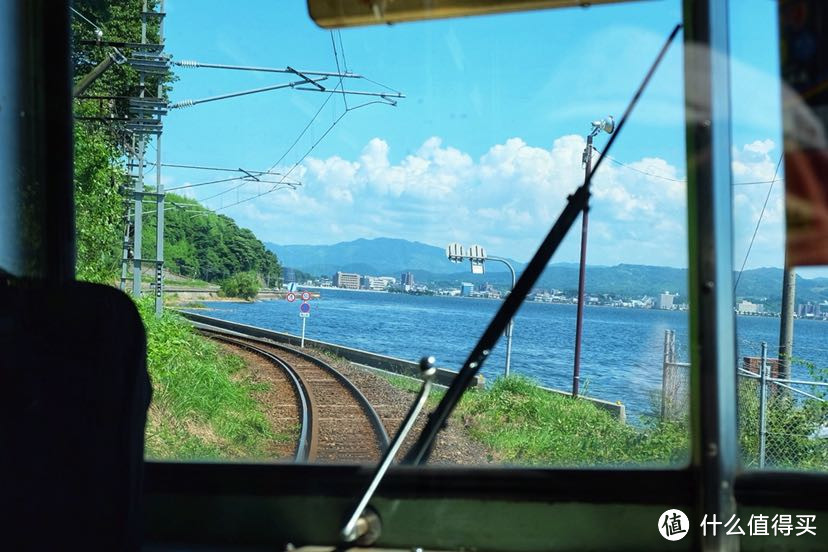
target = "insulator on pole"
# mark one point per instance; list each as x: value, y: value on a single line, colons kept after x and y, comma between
x: 182, y: 103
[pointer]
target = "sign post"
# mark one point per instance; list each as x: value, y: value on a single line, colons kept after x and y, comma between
x: 304, y: 314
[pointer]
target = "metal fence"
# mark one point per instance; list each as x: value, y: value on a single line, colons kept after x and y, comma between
x: 783, y: 422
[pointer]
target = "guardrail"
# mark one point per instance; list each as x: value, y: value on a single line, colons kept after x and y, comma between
x: 378, y: 362
x: 357, y: 356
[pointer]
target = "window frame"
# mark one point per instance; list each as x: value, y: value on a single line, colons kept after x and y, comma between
x: 711, y: 484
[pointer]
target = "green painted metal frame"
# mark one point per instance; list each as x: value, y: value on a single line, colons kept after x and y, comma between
x: 266, y: 505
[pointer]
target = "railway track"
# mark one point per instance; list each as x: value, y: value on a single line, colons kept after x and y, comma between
x: 338, y: 424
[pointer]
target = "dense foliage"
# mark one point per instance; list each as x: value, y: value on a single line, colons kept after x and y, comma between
x: 205, y: 245
x: 98, y: 203
x: 244, y: 285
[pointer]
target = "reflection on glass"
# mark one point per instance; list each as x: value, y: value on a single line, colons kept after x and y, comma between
x: 780, y: 307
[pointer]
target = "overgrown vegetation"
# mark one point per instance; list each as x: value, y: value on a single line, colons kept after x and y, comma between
x: 244, y: 285
x: 524, y: 424
x: 793, y: 424
x: 202, y: 406
x: 98, y: 203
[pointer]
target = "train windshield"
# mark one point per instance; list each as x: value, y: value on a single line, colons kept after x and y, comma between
x: 302, y: 214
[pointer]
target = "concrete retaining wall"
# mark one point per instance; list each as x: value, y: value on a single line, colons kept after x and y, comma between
x: 373, y: 360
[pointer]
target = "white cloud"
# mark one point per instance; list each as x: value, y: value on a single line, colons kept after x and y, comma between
x: 506, y: 200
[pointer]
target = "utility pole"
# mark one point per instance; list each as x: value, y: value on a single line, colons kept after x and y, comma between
x: 126, y: 190
x: 579, y: 315
x: 786, y: 320
x: 608, y: 126
x: 159, y: 189
x: 145, y: 120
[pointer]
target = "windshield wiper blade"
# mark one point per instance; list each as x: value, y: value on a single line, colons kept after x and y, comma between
x: 577, y: 202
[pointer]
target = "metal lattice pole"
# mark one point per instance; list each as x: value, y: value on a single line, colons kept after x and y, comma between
x: 159, y: 198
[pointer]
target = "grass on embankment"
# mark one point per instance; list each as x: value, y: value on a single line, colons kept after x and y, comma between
x: 523, y: 424
x: 202, y: 405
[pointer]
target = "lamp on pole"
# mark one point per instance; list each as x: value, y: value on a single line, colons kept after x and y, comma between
x: 608, y: 126
x: 477, y: 256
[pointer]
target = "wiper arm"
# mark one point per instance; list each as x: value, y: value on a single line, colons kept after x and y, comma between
x: 363, y: 526
x: 577, y: 202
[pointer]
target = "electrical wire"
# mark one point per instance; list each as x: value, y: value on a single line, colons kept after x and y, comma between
x: 99, y: 32
x: 217, y: 169
x: 308, y: 152
x: 338, y: 70
x: 197, y: 184
x: 680, y: 180
x: 342, y: 49
x: 340, y: 89
x: 758, y: 222
x: 380, y: 84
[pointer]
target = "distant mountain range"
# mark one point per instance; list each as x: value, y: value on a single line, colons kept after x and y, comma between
x: 378, y: 257
x: 391, y: 257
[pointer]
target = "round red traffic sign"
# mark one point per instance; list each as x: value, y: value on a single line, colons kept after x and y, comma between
x: 305, y: 296
x: 304, y: 307
x: 290, y: 297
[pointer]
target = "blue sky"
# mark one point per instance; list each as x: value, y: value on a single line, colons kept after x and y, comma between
x: 488, y: 142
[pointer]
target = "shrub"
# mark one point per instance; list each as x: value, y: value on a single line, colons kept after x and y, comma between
x: 244, y: 285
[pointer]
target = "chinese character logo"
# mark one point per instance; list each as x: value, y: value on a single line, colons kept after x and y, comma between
x: 673, y: 525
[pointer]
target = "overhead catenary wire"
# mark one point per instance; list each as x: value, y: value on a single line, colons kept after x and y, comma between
x: 386, y: 98
x: 285, y: 154
x: 305, y: 129
x: 217, y: 169
x: 297, y: 163
x: 679, y: 180
x: 246, y: 179
x: 336, y: 58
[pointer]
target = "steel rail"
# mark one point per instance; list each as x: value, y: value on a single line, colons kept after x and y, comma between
x: 307, y: 445
x: 373, y: 416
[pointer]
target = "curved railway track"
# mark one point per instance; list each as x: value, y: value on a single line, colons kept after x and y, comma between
x: 338, y: 424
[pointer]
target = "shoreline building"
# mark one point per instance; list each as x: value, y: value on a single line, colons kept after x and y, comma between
x: 746, y: 307
x: 665, y: 301
x: 377, y: 283
x: 346, y: 280
x: 407, y: 281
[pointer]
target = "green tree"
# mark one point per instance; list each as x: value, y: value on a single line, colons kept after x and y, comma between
x: 98, y: 203
x: 244, y: 285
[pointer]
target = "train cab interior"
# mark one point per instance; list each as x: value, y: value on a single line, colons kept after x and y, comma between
x: 76, y: 390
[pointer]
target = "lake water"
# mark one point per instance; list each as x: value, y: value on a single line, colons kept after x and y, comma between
x: 621, y: 352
